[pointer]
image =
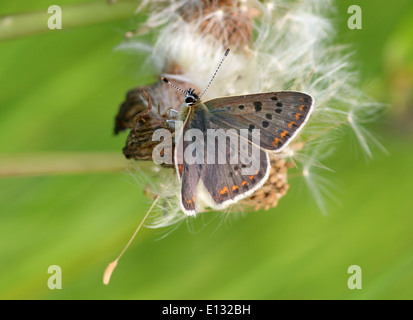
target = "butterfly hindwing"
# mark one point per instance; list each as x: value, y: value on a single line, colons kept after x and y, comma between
x: 278, y: 115
x: 233, y: 180
x: 188, y: 173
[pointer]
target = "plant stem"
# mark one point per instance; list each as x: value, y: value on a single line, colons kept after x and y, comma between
x: 22, y: 165
x: 74, y: 16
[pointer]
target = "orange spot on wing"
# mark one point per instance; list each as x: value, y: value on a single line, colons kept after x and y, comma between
x: 302, y: 107
x: 283, y: 134
x: 251, y: 177
x: 234, y: 188
x: 276, y: 142
x: 223, y: 191
x: 298, y: 116
x: 192, y: 200
x: 290, y: 125
x: 244, y: 183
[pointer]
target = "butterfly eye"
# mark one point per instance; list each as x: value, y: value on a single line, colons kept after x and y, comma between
x: 189, y: 100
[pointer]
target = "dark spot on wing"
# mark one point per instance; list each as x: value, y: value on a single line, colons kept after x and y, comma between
x: 258, y: 106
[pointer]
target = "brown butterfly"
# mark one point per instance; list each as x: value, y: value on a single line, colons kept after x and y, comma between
x: 233, y: 166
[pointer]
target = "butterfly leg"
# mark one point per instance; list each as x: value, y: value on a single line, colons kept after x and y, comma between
x: 172, y: 113
x: 170, y: 123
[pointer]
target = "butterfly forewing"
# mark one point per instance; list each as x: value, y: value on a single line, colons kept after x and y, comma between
x: 278, y: 115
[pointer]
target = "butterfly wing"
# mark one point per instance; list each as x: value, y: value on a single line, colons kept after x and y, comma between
x: 227, y: 183
x: 226, y: 180
x: 278, y: 115
x: 188, y: 174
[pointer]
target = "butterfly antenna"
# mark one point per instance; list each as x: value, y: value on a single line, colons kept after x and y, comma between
x: 172, y: 85
x: 216, y: 71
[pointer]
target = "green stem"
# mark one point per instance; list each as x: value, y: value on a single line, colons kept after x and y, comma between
x: 74, y: 16
x: 40, y: 164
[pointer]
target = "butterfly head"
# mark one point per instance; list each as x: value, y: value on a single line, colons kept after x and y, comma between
x: 191, y: 97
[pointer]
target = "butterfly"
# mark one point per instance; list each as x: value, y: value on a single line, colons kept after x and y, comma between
x: 275, y: 117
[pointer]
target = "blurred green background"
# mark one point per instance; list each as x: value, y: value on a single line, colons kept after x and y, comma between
x: 59, y: 93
